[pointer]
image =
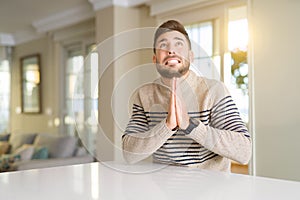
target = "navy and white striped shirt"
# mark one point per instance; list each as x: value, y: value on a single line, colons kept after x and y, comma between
x: 220, y: 135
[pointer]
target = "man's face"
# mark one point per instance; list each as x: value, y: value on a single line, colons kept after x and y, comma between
x: 173, y: 54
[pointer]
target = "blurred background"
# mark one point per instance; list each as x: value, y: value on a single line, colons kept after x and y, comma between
x: 250, y: 45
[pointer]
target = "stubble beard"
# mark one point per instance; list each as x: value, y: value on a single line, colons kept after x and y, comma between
x: 168, y: 72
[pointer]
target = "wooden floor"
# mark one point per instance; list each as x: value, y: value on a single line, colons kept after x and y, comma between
x: 239, y: 169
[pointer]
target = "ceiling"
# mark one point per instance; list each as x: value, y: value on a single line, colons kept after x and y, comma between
x: 19, y: 15
x: 24, y: 20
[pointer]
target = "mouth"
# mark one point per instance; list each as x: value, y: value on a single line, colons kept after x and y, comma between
x: 173, y: 61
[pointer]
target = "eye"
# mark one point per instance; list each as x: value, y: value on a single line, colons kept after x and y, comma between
x: 179, y: 43
x: 163, y: 45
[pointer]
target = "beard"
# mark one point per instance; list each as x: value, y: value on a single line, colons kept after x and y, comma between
x: 168, y: 72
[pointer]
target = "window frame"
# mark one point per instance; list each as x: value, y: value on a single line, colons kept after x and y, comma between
x: 82, y: 46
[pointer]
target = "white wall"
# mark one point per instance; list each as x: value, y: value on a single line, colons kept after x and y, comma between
x: 41, y: 122
x: 120, y: 54
x: 276, y: 62
x: 51, y: 49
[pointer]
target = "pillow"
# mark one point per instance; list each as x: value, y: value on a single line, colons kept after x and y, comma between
x: 25, y: 151
x: 6, y: 162
x: 80, y: 151
x: 17, y: 140
x: 4, y: 137
x: 58, y: 146
x: 40, y: 153
x: 4, y: 147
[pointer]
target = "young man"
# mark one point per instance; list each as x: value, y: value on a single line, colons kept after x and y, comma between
x: 183, y: 119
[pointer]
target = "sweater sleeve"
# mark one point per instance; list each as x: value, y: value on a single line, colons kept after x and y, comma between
x: 226, y: 134
x: 139, y: 142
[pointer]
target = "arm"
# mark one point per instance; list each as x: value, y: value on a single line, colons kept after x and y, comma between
x: 226, y: 135
x: 139, y: 141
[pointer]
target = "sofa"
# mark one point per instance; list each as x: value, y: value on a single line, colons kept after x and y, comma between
x: 38, y: 150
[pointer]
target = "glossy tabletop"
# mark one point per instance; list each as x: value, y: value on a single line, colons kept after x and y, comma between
x: 111, y: 180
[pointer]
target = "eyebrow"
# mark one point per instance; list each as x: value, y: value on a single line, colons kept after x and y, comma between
x: 176, y: 38
x: 162, y: 40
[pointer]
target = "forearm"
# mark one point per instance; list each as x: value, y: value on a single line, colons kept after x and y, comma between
x: 229, y: 144
x: 139, y: 146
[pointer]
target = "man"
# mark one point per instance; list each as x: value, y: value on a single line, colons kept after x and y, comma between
x: 183, y: 119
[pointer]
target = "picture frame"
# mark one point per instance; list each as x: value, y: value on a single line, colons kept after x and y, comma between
x: 31, y: 84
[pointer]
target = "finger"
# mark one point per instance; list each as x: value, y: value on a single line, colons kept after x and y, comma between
x: 171, y: 118
x: 182, y: 116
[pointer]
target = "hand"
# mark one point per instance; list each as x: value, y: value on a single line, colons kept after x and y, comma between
x: 177, y: 114
x: 171, y: 118
x: 182, y: 116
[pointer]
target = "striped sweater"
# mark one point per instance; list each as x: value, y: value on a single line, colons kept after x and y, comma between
x: 220, y: 136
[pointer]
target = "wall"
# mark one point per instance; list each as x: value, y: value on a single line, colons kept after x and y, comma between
x: 275, y: 61
x: 52, y: 51
x: 119, y: 37
x: 132, y: 68
x: 42, y: 122
x: 108, y: 22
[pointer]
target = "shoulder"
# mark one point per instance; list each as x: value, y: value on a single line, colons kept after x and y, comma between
x: 150, y: 88
x: 215, y: 85
x: 150, y: 93
x: 194, y: 79
x: 212, y: 85
x: 214, y: 89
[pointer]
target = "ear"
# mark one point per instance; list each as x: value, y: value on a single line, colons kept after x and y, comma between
x: 191, y: 56
x: 154, y: 58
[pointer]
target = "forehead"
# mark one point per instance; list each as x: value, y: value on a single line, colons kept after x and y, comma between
x: 171, y: 35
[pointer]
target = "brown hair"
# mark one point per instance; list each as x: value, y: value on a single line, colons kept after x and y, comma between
x: 171, y: 25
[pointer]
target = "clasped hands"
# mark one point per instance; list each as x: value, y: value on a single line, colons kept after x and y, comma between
x: 178, y: 117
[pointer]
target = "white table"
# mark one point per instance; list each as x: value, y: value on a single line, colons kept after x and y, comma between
x: 103, y: 181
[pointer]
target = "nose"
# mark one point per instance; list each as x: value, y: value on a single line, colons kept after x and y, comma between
x: 171, y: 52
x: 171, y: 49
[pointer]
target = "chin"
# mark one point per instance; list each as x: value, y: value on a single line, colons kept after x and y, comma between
x: 167, y: 73
x: 173, y: 71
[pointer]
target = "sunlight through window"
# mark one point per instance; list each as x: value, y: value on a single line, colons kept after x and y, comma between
x: 236, y: 67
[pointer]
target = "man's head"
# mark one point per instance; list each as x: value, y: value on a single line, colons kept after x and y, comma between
x: 172, y: 49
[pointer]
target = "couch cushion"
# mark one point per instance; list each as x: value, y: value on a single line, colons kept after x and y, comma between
x: 58, y: 146
x: 25, y: 151
x: 4, y: 137
x: 7, y: 162
x: 80, y: 151
x: 17, y: 140
x: 4, y: 147
x: 40, y: 153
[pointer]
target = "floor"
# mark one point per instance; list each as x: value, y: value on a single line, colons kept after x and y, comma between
x: 239, y: 169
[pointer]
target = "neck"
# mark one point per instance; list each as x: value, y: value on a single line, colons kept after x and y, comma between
x: 168, y: 81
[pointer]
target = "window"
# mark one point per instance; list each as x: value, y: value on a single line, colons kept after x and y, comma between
x: 73, y: 67
x: 81, y: 94
x: 4, y: 92
x: 236, y: 67
x: 201, y: 35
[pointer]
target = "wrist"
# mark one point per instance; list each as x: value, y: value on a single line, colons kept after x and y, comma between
x: 172, y: 127
x: 193, y: 123
x: 175, y: 128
